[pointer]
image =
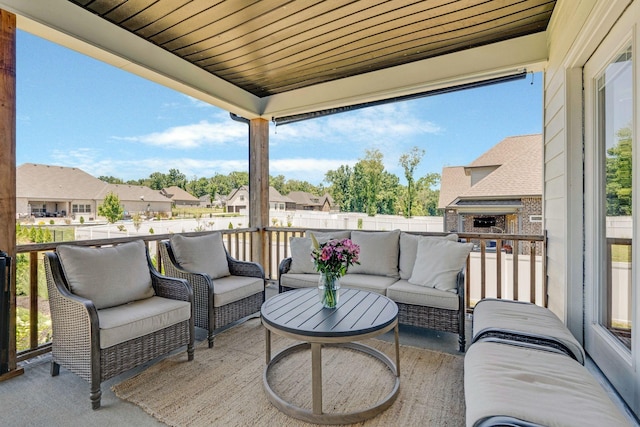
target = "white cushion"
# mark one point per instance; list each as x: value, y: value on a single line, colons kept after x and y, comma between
x: 201, y: 254
x: 404, y: 292
x: 378, y: 253
x: 234, y: 288
x: 140, y: 318
x: 107, y: 276
x: 301, y: 261
x: 366, y: 282
x: 438, y: 262
x: 409, y: 248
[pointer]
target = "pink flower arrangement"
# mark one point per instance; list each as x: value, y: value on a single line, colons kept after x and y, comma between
x: 334, y: 257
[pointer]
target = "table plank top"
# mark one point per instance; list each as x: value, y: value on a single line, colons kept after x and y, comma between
x: 300, y: 312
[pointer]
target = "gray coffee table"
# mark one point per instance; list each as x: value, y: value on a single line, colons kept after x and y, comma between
x: 299, y: 315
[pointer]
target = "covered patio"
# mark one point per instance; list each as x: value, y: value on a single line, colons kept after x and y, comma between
x: 285, y: 61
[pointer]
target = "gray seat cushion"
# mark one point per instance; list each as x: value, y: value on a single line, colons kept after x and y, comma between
x: 407, y: 293
x: 299, y: 280
x: 366, y: 282
x: 128, y: 321
x: 234, y: 288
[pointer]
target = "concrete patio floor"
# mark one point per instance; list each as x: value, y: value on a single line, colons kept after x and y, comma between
x: 38, y: 399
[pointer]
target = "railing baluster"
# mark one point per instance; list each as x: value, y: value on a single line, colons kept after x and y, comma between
x: 33, y: 299
x: 499, y: 268
x: 483, y: 270
x: 532, y: 271
x: 516, y: 250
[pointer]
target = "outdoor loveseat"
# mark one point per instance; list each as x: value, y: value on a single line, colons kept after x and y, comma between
x: 422, y: 274
x: 225, y: 289
x: 112, y: 311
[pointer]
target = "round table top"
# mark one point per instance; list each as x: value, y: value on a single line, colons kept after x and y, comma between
x: 300, y: 312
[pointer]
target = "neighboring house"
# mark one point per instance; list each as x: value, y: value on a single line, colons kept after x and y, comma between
x: 310, y: 202
x: 180, y: 197
x: 45, y: 190
x: 499, y: 192
x: 238, y: 200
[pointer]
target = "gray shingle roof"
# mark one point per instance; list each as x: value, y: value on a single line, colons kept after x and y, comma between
x: 176, y: 193
x: 44, y: 182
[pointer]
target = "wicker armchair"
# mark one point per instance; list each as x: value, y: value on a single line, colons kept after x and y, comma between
x: 209, y: 314
x: 78, y: 344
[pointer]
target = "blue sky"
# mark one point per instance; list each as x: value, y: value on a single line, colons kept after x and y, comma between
x: 75, y: 111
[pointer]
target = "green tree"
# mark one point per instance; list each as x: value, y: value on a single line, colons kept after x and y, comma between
x: 157, y: 181
x: 619, y: 175
x: 199, y: 187
x: 176, y: 178
x: 368, y: 176
x: 340, y: 187
x: 409, y: 161
x: 111, y: 179
x: 111, y: 208
x: 428, y: 195
x: 278, y: 182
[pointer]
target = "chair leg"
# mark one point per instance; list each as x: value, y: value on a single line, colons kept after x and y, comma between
x: 462, y: 342
x: 55, y: 369
x: 95, y: 395
x: 210, y: 337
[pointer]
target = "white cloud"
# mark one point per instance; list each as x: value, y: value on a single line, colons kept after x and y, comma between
x: 194, y: 135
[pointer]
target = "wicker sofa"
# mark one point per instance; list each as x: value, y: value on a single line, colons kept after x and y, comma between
x: 422, y: 274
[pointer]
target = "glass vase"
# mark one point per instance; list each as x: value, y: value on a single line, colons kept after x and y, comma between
x: 329, y: 290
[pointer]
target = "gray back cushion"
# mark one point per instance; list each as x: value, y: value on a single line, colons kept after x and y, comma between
x: 201, y: 254
x: 301, y: 261
x: 107, y: 276
x: 409, y: 248
x: 378, y: 252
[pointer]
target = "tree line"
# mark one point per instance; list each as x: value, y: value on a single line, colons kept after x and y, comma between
x: 366, y: 187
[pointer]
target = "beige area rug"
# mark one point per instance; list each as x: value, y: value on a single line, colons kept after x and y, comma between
x: 223, y: 386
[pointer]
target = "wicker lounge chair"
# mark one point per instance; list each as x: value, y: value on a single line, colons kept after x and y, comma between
x: 90, y: 337
x: 219, y: 301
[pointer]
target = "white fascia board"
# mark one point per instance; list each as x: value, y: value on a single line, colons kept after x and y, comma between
x: 69, y: 25
x: 471, y: 65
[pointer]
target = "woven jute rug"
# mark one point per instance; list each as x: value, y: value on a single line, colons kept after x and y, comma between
x: 223, y: 386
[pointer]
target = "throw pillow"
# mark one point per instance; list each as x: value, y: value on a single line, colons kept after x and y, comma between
x: 438, y: 262
x: 409, y: 248
x: 107, y: 276
x: 301, y: 261
x: 201, y: 254
x: 322, y: 236
x: 378, y: 253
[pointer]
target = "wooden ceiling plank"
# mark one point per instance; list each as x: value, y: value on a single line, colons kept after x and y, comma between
x: 128, y: 9
x: 416, y: 40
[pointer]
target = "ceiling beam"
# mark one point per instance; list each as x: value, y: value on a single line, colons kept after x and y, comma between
x: 505, y: 58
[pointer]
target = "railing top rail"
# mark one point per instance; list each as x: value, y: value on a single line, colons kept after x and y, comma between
x: 110, y: 241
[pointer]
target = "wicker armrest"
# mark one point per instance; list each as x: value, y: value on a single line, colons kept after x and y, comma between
x: 285, y: 266
x: 244, y: 268
x: 171, y: 287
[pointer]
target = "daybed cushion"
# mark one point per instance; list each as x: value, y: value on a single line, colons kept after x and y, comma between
x: 409, y: 249
x: 525, y: 319
x: 378, y: 253
x: 139, y: 318
x: 541, y: 387
x: 201, y: 254
x: 301, y: 261
x: 107, y: 276
x: 234, y: 288
x: 366, y: 282
x: 438, y: 263
x: 299, y: 280
x: 406, y: 293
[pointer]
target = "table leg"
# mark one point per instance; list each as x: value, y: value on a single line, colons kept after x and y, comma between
x: 316, y: 377
x: 397, y: 334
x: 268, y: 344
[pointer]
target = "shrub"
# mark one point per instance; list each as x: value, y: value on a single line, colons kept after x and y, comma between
x: 81, y: 220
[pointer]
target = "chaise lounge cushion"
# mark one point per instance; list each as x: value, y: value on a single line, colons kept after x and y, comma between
x: 128, y: 321
x: 201, y: 254
x: 108, y: 276
x: 406, y: 293
x: 409, y: 249
x: 535, y: 386
x: 378, y: 253
x: 438, y: 263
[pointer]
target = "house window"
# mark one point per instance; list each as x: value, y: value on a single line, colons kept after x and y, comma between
x: 242, y: 198
x: 80, y: 209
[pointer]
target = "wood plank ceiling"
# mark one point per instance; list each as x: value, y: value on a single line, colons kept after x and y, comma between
x: 268, y: 47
